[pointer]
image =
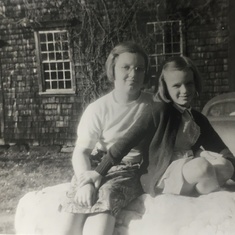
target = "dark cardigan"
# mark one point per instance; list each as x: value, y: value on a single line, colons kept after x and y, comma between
x: 157, y: 130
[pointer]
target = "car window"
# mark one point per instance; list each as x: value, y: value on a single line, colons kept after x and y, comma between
x: 226, y: 108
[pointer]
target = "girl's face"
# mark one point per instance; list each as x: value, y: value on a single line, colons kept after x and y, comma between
x: 180, y: 86
x: 129, y: 72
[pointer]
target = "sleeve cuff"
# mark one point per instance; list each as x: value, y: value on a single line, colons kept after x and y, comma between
x: 104, y: 166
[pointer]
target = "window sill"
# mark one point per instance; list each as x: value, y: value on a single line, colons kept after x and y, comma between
x: 57, y: 92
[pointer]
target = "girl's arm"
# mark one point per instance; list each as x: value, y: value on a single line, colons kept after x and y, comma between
x: 86, y: 193
x: 89, y: 130
x: 87, y: 177
x: 210, y: 140
x: 143, y: 129
x: 82, y: 168
x: 81, y: 160
x: 226, y: 153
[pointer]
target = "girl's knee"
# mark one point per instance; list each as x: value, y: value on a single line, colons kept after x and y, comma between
x: 202, y: 174
x: 224, y: 170
x: 207, y: 185
x: 198, y: 169
x: 99, y: 224
x: 73, y: 224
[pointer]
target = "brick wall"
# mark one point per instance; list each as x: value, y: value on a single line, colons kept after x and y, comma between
x: 207, y: 45
x: 28, y: 116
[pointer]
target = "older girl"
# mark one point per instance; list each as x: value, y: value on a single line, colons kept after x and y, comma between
x: 92, y: 210
x: 186, y: 155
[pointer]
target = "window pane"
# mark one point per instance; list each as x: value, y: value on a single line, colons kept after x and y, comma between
x: 65, y: 55
x: 49, y: 37
x: 58, y: 56
x: 60, y: 75
x: 51, y: 56
x: 53, y: 75
x: 50, y: 46
x: 59, y: 66
x: 42, y: 38
x: 175, y: 26
x: 43, y: 47
x: 53, y: 66
x: 160, y: 60
x: 159, y: 49
x: 61, y: 85
x: 67, y: 65
x: 45, y: 67
x: 67, y: 75
x: 176, y: 37
x: 58, y: 46
x: 222, y: 109
x: 176, y: 47
x: 53, y: 85
x: 65, y: 46
x: 48, y: 85
x: 68, y: 84
x: 46, y: 76
x: 167, y: 37
x: 152, y: 47
x: 168, y: 48
x: 159, y: 38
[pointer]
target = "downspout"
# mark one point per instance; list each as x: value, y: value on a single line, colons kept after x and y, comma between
x: 2, y: 104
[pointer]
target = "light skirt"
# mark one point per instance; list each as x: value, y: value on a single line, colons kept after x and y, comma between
x: 172, y: 180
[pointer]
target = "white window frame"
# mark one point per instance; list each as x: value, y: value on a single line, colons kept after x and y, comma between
x: 162, y: 40
x: 56, y: 70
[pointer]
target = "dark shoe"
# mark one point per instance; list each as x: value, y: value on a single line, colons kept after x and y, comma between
x: 232, y: 160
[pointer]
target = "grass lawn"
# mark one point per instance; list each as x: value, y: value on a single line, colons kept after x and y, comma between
x: 22, y: 171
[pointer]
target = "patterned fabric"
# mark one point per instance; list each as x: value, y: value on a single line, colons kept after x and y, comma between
x: 119, y: 187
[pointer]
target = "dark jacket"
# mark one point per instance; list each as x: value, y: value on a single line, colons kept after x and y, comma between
x: 157, y: 129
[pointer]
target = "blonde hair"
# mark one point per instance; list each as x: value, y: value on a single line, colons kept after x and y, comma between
x: 177, y: 63
x: 122, y: 48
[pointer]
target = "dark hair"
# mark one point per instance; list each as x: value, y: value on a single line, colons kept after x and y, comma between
x: 177, y: 63
x: 122, y: 48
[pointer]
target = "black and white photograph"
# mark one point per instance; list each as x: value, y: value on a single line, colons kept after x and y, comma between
x: 117, y: 117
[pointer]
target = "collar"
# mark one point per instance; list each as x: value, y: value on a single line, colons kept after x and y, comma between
x: 181, y: 108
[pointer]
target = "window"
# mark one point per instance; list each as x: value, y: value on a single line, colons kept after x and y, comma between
x: 225, y: 109
x: 166, y: 41
x: 55, y: 61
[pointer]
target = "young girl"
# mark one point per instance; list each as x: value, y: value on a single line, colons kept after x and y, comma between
x: 186, y: 155
x: 92, y: 210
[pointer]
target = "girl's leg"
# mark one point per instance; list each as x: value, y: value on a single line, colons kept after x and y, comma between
x: 223, y: 168
x: 73, y: 224
x: 200, y: 174
x: 99, y: 224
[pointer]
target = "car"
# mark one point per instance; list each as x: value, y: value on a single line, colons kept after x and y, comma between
x: 220, y: 111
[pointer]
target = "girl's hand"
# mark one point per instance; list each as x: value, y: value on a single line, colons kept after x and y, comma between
x: 86, y: 195
x: 227, y: 154
x: 87, y: 177
x: 210, y: 155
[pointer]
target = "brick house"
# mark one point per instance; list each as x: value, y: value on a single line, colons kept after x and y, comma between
x: 40, y: 88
